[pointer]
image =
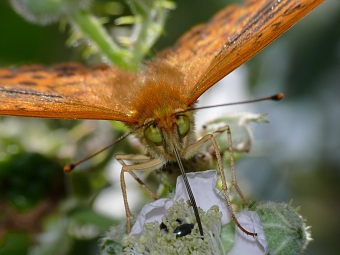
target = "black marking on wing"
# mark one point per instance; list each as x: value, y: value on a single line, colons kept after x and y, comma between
x: 8, y: 76
x: 28, y: 92
x: 28, y: 83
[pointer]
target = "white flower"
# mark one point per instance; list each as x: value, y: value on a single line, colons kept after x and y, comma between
x: 239, y: 124
x: 245, y: 244
x: 211, y: 201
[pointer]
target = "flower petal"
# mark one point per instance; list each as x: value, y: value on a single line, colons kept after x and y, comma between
x: 245, y: 244
x: 203, y: 185
x: 151, y: 212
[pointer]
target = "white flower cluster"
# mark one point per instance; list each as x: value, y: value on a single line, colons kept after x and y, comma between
x: 153, y: 232
x: 161, y: 239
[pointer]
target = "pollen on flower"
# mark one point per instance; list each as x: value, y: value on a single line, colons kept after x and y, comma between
x: 159, y: 237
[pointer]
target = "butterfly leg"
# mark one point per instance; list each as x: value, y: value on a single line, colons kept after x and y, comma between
x: 211, y: 137
x: 150, y: 164
x: 224, y: 181
x: 139, y: 159
x: 232, y: 168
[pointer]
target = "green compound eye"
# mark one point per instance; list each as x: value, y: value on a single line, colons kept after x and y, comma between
x: 183, y: 125
x: 153, y: 134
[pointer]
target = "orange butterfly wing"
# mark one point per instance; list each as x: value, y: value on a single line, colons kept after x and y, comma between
x: 210, y: 51
x: 203, y: 56
x: 68, y: 90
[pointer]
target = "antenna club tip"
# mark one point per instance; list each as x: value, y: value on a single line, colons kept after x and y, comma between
x: 278, y: 96
x: 69, y: 167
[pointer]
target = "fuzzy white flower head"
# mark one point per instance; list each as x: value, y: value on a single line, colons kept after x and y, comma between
x: 148, y: 237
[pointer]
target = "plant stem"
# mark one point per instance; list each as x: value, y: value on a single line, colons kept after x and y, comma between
x: 93, y: 30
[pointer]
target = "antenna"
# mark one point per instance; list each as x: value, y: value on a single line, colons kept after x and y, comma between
x: 275, y: 97
x: 70, y: 167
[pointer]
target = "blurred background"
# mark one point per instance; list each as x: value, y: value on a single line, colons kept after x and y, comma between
x: 295, y: 157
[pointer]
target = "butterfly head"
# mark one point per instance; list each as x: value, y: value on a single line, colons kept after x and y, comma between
x: 159, y: 99
x: 160, y: 135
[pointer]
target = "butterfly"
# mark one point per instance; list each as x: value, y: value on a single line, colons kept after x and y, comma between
x: 157, y: 102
